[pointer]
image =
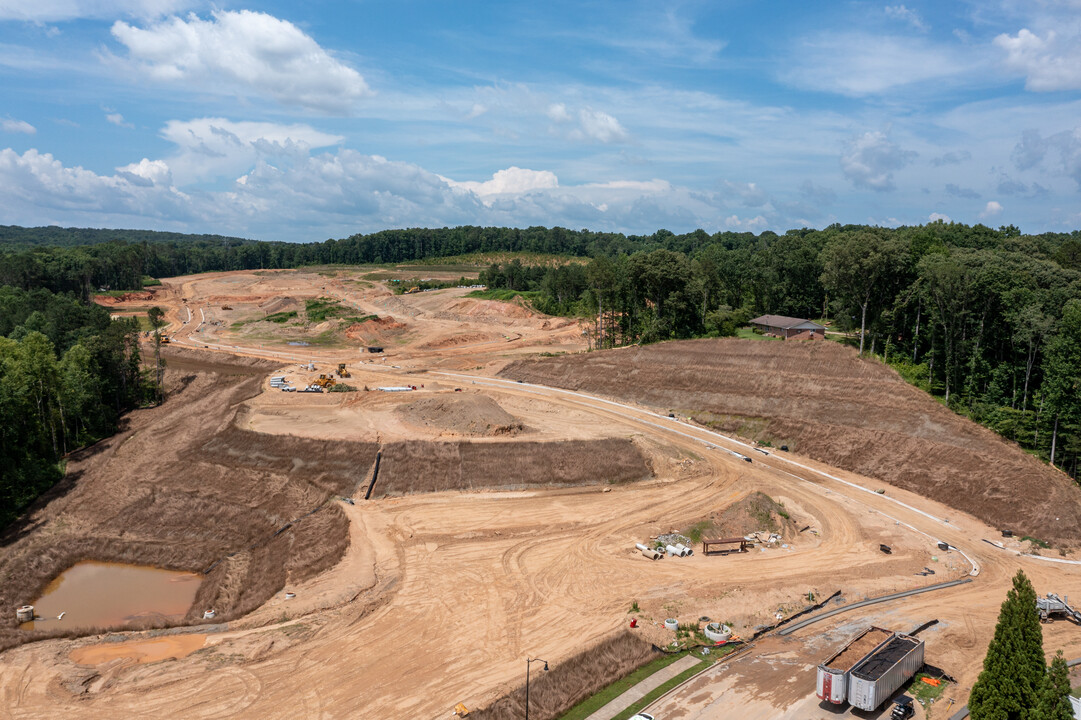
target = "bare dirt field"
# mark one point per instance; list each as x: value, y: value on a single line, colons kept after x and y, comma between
x: 824, y: 402
x: 482, y: 546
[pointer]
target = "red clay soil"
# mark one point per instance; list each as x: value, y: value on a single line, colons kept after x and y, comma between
x: 109, y: 300
x: 852, y: 654
x: 824, y: 402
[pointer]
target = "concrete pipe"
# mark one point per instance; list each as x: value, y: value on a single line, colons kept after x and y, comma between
x: 717, y: 632
x: 651, y: 554
x: 25, y: 613
x: 671, y: 624
x: 684, y: 551
x: 209, y: 615
x: 672, y: 550
x: 641, y: 547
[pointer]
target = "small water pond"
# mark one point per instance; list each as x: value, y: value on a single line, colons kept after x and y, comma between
x: 101, y: 594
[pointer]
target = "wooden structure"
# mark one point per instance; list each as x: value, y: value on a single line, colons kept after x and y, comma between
x: 787, y: 327
x: 724, y: 546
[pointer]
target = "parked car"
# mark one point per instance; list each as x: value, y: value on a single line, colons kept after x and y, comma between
x: 643, y: 716
x: 902, y: 711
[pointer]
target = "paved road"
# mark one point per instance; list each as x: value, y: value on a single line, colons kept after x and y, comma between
x: 640, y: 690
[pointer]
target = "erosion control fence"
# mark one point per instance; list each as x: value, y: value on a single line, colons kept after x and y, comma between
x: 570, y: 682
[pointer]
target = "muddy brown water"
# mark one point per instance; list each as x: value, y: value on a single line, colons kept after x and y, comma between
x: 101, y: 594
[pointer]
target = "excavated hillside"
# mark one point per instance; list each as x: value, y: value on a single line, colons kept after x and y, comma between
x: 824, y: 402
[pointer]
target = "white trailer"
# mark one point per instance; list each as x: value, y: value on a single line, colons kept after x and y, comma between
x: 833, y: 674
x: 878, y: 677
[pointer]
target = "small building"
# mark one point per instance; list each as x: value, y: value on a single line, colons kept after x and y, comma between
x: 787, y: 327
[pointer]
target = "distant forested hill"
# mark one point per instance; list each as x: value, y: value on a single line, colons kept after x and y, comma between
x: 14, y: 237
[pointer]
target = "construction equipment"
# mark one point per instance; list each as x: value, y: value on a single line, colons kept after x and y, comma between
x: 324, y: 382
x: 1053, y: 605
x: 342, y: 372
x: 410, y: 291
x: 165, y: 340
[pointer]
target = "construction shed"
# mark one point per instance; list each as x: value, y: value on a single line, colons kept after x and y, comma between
x: 787, y: 327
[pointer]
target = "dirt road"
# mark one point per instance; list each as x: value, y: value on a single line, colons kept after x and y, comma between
x: 439, y: 597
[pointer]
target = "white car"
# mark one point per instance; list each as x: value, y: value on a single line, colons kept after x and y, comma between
x: 643, y: 716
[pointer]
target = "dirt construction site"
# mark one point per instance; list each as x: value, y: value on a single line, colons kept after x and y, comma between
x: 476, y: 500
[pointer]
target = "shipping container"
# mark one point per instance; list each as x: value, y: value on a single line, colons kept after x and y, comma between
x: 878, y: 677
x: 832, y: 682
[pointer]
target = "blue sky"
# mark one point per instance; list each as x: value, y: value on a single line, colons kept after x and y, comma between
x: 303, y: 121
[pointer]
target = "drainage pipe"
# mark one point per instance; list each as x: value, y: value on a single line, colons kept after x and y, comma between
x: 652, y: 554
x: 672, y: 550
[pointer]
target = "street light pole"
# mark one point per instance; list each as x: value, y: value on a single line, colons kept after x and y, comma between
x: 528, y: 661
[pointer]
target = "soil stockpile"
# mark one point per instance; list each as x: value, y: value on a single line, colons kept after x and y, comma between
x: 420, y: 466
x: 753, y: 513
x: 186, y: 490
x: 461, y: 414
x: 823, y: 401
x: 553, y: 693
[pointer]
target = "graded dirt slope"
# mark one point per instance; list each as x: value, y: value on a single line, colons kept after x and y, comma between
x: 825, y: 402
x: 461, y: 414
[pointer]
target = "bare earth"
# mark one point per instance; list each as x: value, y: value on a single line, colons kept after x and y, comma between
x: 407, y: 604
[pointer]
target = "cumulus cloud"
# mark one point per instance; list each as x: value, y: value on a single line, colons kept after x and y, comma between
x: 147, y: 173
x: 557, y: 112
x: 513, y: 180
x: 243, y: 51
x: 117, y: 119
x: 992, y: 209
x: 1052, y: 62
x: 906, y: 15
x: 958, y: 191
x: 1033, y: 148
x: 54, y: 10
x: 954, y: 157
x: 935, y: 217
x: 599, y: 126
x: 17, y: 126
x: 209, y: 148
x: 871, y: 159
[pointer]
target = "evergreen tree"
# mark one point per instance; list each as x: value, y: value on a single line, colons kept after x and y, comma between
x: 1055, y: 697
x: 1013, y: 672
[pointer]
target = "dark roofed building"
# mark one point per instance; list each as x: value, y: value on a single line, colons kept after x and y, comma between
x: 787, y: 327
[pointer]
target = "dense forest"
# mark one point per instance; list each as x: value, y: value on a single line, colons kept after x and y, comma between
x: 67, y: 374
x: 988, y: 320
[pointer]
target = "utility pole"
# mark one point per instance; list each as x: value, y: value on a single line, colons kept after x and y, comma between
x: 528, y: 661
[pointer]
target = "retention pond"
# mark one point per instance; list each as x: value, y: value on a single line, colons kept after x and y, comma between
x: 99, y: 594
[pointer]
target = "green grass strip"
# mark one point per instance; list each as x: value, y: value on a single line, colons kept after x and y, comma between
x: 595, y: 702
x: 661, y: 690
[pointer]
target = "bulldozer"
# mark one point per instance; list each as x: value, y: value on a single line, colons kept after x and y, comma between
x: 342, y: 372
x: 324, y: 382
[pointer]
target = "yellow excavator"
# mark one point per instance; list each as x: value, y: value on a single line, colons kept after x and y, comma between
x: 342, y: 372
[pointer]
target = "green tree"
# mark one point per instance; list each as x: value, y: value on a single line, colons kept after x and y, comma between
x: 1063, y: 371
x: 1013, y: 670
x: 859, y: 268
x: 1055, y: 698
x: 157, y: 320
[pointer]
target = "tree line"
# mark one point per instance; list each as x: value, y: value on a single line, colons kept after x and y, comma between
x: 984, y: 318
x: 67, y: 374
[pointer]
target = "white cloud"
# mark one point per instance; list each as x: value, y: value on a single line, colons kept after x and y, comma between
x: 476, y: 111
x: 246, y: 52
x: 557, y: 112
x: 1049, y: 63
x: 209, y: 148
x: 750, y: 194
x: 755, y: 224
x: 599, y: 126
x: 54, y: 10
x: 907, y: 15
x: 992, y: 209
x: 117, y: 119
x: 152, y: 172
x: 1034, y: 148
x: 17, y: 126
x: 513, y: 180
x: 864, y: 64
x: 935, y: 217
x: 871, y: 160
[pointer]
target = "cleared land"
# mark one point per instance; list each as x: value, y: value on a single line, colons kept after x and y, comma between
x: 491, y: 546
x: 824, y: 402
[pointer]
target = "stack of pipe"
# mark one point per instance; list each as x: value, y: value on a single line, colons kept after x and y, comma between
x: 649, y: 552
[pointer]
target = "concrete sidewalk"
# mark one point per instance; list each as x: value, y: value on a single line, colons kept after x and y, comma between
x: 640, y: 690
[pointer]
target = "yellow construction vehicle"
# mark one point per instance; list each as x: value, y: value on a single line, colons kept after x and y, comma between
x: 410, y: 291
x: 165, y: 340
x: 342, y: 372
x: 324, y: 382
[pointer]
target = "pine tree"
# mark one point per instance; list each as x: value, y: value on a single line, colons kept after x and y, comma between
x: 1055, y: 697
x: 1013, y: 672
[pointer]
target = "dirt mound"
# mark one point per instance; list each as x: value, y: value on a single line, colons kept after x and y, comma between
x: 754, y: 512
x: 448, y: 341
x: 825, y: 402
x: 109, y: 300
x: 186, y: 490
x: 461, y: 414
x: 473, y: 308
x: 375, y: 329
x: 419, y: 466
